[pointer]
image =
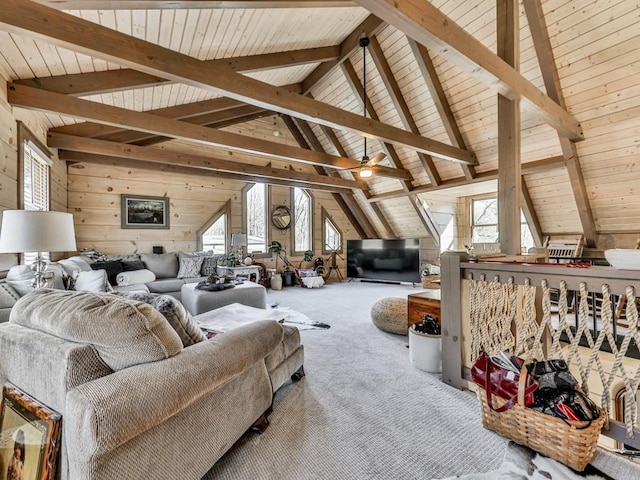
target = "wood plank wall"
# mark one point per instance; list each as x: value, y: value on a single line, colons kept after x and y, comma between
x: 9, y: 177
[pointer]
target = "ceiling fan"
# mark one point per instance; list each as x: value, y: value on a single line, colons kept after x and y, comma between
x: 366, y: 164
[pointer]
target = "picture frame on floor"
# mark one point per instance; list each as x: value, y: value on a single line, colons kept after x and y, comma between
x: 29, y: 437
x: 142, y: 211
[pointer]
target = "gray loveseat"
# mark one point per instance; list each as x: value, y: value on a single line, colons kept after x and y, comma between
x: 136, y: 402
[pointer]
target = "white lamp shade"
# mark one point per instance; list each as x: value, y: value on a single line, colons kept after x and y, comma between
x: 238, y: 239
x: 36, y: 231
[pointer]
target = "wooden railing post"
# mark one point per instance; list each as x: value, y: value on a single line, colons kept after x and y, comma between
x: 451, y: 317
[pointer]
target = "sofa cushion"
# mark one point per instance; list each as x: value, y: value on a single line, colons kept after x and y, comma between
x: 163, y: 265
x: 94, y: 281
x: 165, y: 285
x: 8, y: 295
x: 190, y: 267
x: 174, y: 312
x: 112, y: 267
x: 124, y: 332
x: 77, y: 263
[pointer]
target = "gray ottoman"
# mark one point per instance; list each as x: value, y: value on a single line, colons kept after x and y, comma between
x: 390, y: 314
x: 200, y: 301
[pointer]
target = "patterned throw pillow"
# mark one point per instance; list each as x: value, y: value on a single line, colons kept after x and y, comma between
x: 190, y: 267
x: 209, y: 266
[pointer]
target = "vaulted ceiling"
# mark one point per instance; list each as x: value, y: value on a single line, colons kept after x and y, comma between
x: 205, y: 84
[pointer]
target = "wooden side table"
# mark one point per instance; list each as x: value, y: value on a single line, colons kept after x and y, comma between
x: 421, y: 304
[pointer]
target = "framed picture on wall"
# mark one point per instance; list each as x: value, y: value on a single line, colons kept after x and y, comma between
x: 29, y: 437
x: 144, y: 212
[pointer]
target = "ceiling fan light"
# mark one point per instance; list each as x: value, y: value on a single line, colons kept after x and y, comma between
x: 365, y: 172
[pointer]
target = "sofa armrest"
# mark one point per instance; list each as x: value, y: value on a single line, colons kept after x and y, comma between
x: 107, y: 412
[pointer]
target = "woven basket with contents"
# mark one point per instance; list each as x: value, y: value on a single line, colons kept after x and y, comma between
x: 570, y: 442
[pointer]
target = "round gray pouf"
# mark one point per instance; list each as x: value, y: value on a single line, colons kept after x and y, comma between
x: 390, y: 314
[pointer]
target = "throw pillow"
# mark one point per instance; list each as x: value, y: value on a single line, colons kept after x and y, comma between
x: 209, y: 266
x: 94, y: 281
x: 8, y: 295
x: 20, y: 277
x: 163, y: 265
x: 112, y: 267
x: 77, y: 263
x: 175, y: 313
x: 123, y: 332
x: 190, y: 267
x: 132, y: 265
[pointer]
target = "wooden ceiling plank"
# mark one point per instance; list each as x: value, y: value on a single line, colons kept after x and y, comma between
x: 439, y: 97
x: 67, y: 31
x: 544, y: 52
x: 388, y: 149
x: 91, y: 83
x: 151, y: 154
x: 347, y: 202
x: 370, y: 26
x: 31, y: 98
x: 315, y: 144
x: 191, y: 4
x: 393, y: 89
x: 537, y: 166
x: 427, y: 25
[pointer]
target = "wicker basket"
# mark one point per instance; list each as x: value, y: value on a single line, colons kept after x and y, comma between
x: 428, y: 281
x: 545, y: 434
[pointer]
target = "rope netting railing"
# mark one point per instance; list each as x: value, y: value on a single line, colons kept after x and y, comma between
x: 504, y: 317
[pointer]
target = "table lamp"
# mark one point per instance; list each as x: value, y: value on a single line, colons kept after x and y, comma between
x: 239, y: 240
x: 37, y: 231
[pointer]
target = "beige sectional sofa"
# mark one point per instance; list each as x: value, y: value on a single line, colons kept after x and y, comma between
x: 140, y: 397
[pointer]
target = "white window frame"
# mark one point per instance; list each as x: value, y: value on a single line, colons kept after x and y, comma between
x: 225, y: 211
x: 264, y: 250
x: 326, y: 219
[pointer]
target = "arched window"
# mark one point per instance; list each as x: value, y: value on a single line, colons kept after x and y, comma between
x: 302, y: 203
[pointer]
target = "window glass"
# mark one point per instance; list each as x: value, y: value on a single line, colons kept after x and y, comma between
x: 484, y: 223
x: 302, y: 220
x: 332, y: 236
x: 255, y: 201
x: 214, y: 237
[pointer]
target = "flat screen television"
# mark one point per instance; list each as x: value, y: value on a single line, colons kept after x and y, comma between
x: 396, y: 260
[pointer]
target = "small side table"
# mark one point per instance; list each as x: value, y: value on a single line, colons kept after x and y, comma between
x: 242, y: 270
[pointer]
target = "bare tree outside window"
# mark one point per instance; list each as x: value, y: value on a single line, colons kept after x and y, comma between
x: 303, y: 227
x: 214, y: 238
x: 484, y: 223
x: 256, y: 211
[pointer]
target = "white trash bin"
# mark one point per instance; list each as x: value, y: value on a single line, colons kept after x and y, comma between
x: 425, y: 351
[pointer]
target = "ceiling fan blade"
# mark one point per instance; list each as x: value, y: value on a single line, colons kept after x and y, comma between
x: 377, y: 159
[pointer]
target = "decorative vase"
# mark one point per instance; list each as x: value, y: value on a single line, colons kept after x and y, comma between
x: 276, y: 282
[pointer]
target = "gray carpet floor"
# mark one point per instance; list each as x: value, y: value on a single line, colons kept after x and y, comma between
x: 362, y: 411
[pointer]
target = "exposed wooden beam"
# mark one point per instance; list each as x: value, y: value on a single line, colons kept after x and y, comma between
x: 393, y: 89
x: 78, y: 158
x: 124, y: 79
x: 530, y: 214
x: 509, y: 176
x: 67, y: 31
x: 158, y: 155
x: 427, y: 25
x: 439, y: 98
x: 347, y: 202
x: 191, y: 4
x: 537, y: 166
x: 544, y: 52
x: 32, y: 98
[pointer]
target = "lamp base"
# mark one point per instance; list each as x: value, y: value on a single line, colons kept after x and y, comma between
x: 41, y: 279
